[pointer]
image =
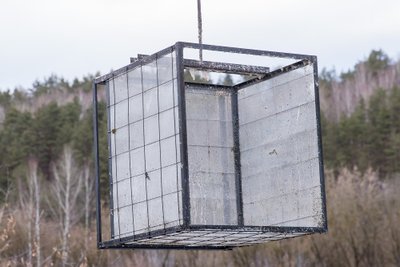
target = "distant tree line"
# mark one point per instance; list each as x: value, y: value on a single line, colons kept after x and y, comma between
x: 369, y: 137
x: 46, y: 183
x: 42, y: 135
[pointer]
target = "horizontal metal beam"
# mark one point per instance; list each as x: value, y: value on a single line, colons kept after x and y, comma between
x: 141, y: 56
x: 225, y: 67
x: 255, y: 52
x: 107, y: 245
x: 264, y: 229
x: 274, y: 73
x: 208, y: 86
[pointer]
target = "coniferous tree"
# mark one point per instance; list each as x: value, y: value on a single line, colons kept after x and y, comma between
x: 46, y: 129
x: 14, y: 145
x: 69, y: 117
x: 378, y: 130
x: 357, y: 136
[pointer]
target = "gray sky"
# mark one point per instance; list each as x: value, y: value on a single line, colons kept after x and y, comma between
x: 72, y: 38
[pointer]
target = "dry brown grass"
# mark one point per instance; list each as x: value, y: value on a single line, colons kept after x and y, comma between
x: 363, y: 215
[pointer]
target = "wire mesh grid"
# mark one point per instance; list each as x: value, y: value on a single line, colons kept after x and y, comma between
x: 144, y: 148
x: 215, y: 238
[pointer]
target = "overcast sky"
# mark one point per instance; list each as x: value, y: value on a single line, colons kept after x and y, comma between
x: 72, y: 38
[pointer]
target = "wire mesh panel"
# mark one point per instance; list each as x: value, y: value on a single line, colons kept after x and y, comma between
x: 211, y: 159
x: 279, y: 151
x: 144, y: 148
x: 214, y: 154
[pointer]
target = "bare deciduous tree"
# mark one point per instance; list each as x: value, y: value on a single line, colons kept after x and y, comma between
x: 66, y: 188
x: 33, y: 170
x: 31, y: 203
x: 88, y: 195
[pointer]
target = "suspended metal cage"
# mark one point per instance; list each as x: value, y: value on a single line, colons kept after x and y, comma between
x: 214, y: 154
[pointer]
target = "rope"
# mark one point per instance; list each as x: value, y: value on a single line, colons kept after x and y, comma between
x: 200, y: 29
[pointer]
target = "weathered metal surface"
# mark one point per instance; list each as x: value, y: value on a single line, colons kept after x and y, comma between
x: 199, y: 164
x: 225, y: 67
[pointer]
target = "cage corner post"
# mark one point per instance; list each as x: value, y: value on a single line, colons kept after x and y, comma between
x: 179, y: 46
x: 96, y: 165
x: 324, y: 225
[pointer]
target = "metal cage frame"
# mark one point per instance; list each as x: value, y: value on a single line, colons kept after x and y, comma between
x: 278, y: 231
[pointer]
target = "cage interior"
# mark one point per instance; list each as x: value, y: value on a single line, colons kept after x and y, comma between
x: 271, y: 110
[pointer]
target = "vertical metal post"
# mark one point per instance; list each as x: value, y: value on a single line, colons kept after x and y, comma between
x: 110, y: 165
x: 320, y: 151
x: 236, y: 152
x: 96, y: 165
x: 183, y: 136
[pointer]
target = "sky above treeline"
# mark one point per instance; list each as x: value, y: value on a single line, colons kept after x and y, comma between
x: 72, y: 38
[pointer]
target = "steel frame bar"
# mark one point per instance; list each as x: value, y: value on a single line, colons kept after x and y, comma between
x: 96, y: 165
x: 246, y: 51
x: 237, y: 162
x: 225, y: 67
x: 183, y: 136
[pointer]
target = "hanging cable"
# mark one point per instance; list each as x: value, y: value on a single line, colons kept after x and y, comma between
x: 200, y: 29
